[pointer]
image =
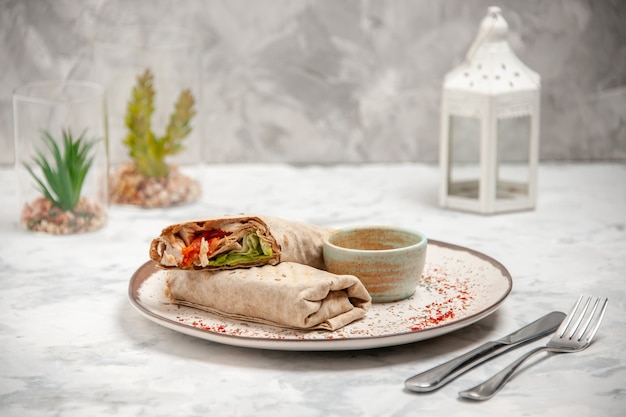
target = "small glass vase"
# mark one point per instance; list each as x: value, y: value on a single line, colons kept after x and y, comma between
x: 61, y: 156
x: 122, y: 54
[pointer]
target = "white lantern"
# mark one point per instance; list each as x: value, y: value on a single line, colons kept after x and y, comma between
x: 490, y: 127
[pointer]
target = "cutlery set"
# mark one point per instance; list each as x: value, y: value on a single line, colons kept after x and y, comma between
x: 574, y: 333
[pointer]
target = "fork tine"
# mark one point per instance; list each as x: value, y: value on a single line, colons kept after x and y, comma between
x: 580, y: 316
x: 595, y: 319
x: 590, y: 317
x: 568, y: 319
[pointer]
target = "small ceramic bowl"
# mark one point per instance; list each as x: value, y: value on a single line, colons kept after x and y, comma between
x: 388, y: 260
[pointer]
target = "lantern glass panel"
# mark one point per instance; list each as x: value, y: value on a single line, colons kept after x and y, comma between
x: 464, y: 164
x: 513, y: 157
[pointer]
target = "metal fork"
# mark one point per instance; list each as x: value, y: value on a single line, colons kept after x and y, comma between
x: 572, y: 336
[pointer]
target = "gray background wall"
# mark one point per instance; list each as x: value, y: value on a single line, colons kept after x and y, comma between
x: 330, y: 80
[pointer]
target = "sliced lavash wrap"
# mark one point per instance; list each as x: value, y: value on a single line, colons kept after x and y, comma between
x: 249, y: 241
x: 286, y: 295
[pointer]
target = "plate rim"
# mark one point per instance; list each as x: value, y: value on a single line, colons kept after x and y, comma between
x: 352, y: 343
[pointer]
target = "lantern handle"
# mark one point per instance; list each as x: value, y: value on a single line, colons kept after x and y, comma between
x: 490, y: 23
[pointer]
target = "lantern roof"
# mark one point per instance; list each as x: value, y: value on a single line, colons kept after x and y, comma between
x: 490, y: 66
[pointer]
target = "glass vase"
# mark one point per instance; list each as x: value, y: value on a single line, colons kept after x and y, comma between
x: 122, y: 57
x: 61, y: 156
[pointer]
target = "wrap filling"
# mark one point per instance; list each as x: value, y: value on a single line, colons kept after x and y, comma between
x: 216, y: 248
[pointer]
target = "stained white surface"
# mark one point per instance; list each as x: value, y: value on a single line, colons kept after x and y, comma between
x: 72, y: 345
x: 341, y: 81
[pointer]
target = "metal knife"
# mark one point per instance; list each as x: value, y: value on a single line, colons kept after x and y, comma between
x: 440, y: 375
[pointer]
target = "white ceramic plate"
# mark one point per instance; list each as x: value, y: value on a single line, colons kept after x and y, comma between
x: 459, y: 286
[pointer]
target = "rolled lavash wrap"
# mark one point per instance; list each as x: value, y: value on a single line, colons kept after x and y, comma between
x: 286, y: 295
x: 238, y: 241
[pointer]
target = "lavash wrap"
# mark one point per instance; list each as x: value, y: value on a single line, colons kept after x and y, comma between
x: 290, y: 241
x: 286, y: 295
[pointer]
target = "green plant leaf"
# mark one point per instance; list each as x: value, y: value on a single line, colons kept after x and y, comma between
x: 64, y: 174
x: 146, y: 149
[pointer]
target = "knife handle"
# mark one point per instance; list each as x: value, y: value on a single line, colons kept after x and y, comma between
x: 440, y: 375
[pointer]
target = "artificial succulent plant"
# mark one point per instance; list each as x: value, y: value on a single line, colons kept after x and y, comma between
x: 63, y: 174
x: 146, y: 149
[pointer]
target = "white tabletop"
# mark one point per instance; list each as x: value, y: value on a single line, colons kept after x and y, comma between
x: 72, y: 345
